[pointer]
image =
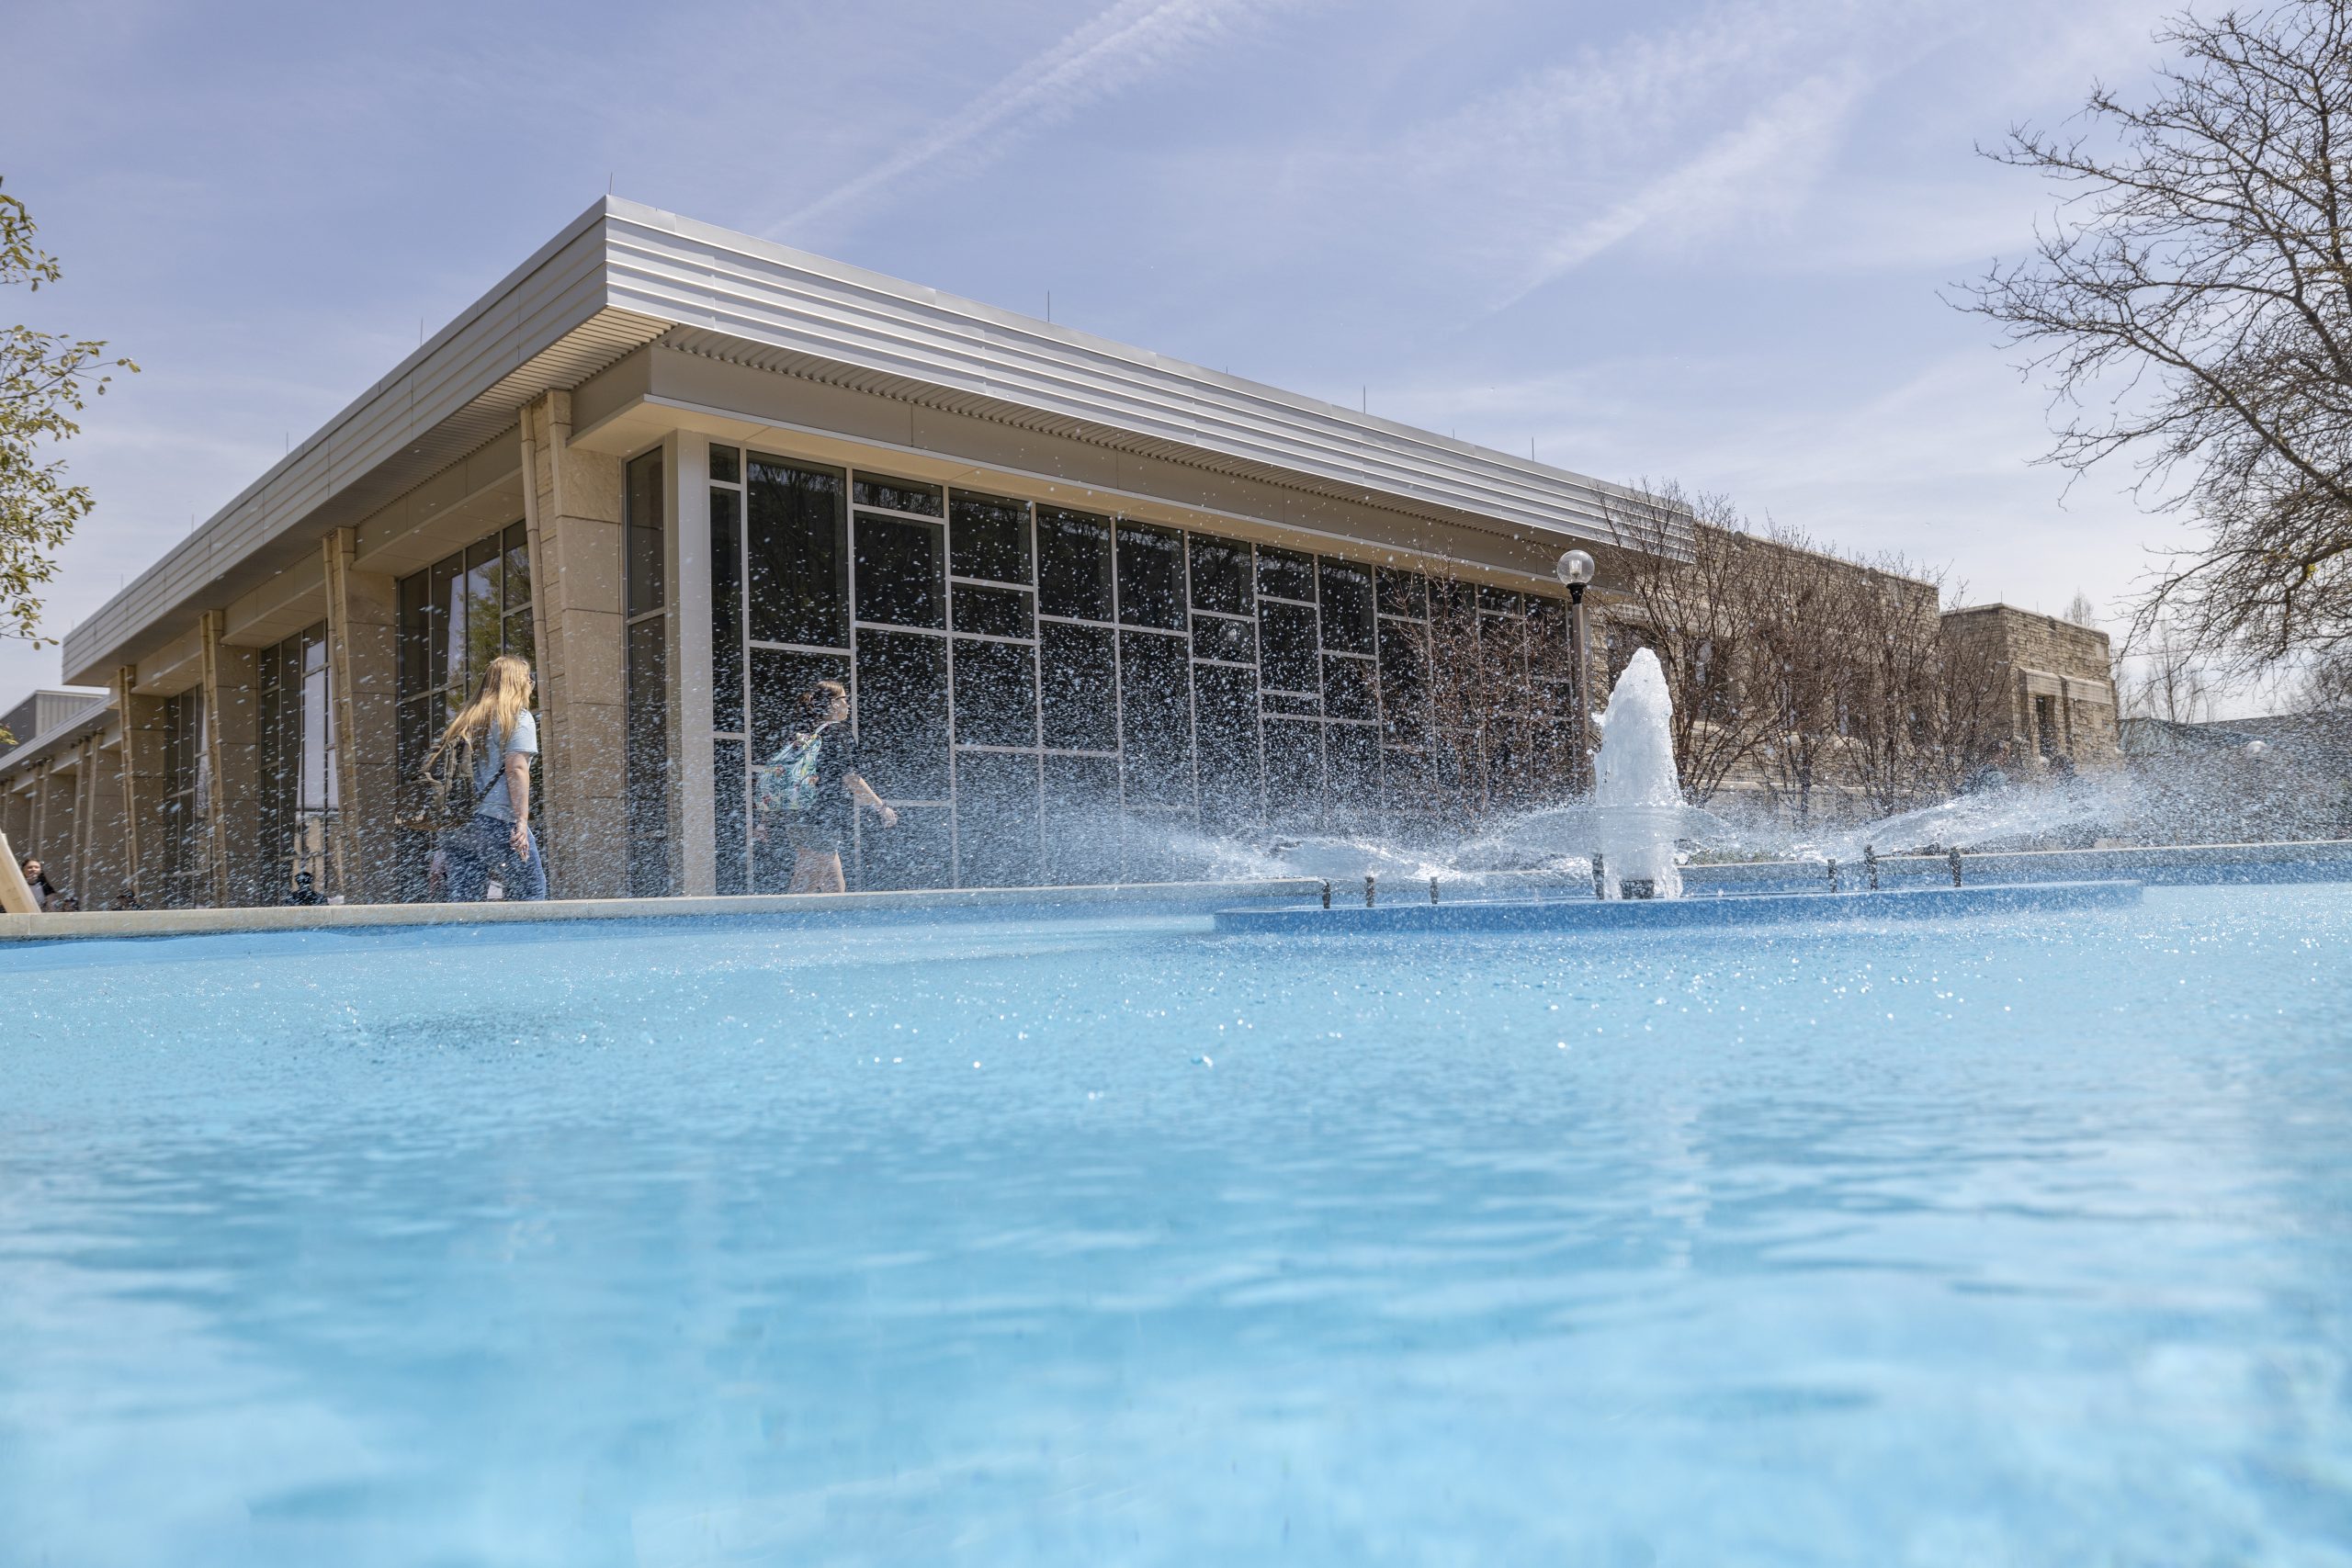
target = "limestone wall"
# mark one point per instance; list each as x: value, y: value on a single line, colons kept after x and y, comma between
x: 2060, y: 678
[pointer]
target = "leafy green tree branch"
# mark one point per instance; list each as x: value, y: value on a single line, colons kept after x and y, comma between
x: 46, y: 380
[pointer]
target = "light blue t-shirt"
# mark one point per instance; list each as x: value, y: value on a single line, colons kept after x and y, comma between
x: 492, y: 797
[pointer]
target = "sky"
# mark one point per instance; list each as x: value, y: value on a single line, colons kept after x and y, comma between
x: 1712, y: 244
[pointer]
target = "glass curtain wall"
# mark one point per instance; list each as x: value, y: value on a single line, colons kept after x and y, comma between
x: 456, y: 616
x: 651, y: 868
x: 299, y: 791
x: 185, y: 853
x: 1056, y: 696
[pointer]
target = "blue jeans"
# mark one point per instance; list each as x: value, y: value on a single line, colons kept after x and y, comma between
x: 484, y: 848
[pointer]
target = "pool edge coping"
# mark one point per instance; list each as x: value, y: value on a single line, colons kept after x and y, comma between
x: 2154, y: 865
x: 1690, y: 913
x: 99, y: 924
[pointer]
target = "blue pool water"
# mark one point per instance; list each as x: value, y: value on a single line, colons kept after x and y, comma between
x: 1103, y: 1239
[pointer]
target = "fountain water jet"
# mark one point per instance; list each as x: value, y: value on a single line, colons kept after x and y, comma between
x: 1637, y: 789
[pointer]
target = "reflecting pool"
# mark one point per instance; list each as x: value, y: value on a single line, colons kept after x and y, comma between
x: 1098, y: 1238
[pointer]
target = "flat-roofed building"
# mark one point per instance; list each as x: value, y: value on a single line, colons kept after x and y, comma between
x: 57, y: 786
x: 1090, y: 601
x: 39, y: 712
x: 2060, y: 679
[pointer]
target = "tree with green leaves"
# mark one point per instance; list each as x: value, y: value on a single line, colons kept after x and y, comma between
x: 46, y: 380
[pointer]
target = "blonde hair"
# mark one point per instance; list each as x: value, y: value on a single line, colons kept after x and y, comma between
x: 504, y: 693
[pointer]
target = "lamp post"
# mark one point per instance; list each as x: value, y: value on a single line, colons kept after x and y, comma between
x: 1576, y: 570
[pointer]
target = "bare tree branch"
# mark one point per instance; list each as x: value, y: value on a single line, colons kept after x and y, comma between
x: 2190, y: 308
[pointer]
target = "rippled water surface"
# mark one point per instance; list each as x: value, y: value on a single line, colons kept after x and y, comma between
x: 1102, y: 1239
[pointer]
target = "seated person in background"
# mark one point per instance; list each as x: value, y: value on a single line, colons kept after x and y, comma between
x: 44, y: 893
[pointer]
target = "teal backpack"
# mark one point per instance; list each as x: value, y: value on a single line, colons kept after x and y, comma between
x: 788, y: 782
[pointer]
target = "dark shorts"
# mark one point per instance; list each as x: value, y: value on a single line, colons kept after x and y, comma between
x: 814, y: 838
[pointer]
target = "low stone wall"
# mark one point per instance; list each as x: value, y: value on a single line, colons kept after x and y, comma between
x: 346, y: 917
x: 1678, y: 914
x: 2324, y: 861
x: 2181, y: 864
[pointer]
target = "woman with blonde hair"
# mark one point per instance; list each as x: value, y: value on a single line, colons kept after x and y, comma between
x: 502, y: 735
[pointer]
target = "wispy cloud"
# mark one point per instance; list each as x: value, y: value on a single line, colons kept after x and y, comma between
x: 1120, y: 47
x: 1766, y: 163
x: 1728, y: 123
x: 1722, y: 220
x: 1683, y: 135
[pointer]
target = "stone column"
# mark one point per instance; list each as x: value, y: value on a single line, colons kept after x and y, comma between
x: 546, y: 810
x: 144, y: 782
x: 87, y: 871
x: 76, y: 800
x: 69, y: 794
x: 583, y: 698
x: 105, y: 840
x: 232, y: 766
x: 363, y: 657
x: 16, y: 818
x: 37, y: 845
x: 693, y: 808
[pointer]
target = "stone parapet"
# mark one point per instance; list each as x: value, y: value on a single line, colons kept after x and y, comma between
x: 344, y: 917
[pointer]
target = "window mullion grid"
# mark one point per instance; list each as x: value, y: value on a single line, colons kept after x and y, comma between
x: 1119, y: 691
x: 846, y: 520
x: 955, y: 714
x: 1258, y: 691
x: 1424, y: 622
x: 1322, y: 708
x: 1192, y: 687
x: 740, y: 489
x: 1259, y: 599
x: 1037, y: 678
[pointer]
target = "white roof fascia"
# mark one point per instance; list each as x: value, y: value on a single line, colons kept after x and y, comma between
x: 623, y: 273
x: 71, y: 727
x: 561, y: 287
x: 703, y: 277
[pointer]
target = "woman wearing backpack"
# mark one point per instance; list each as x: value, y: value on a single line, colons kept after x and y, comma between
x: 498, y: 731
x: 809, y: 787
